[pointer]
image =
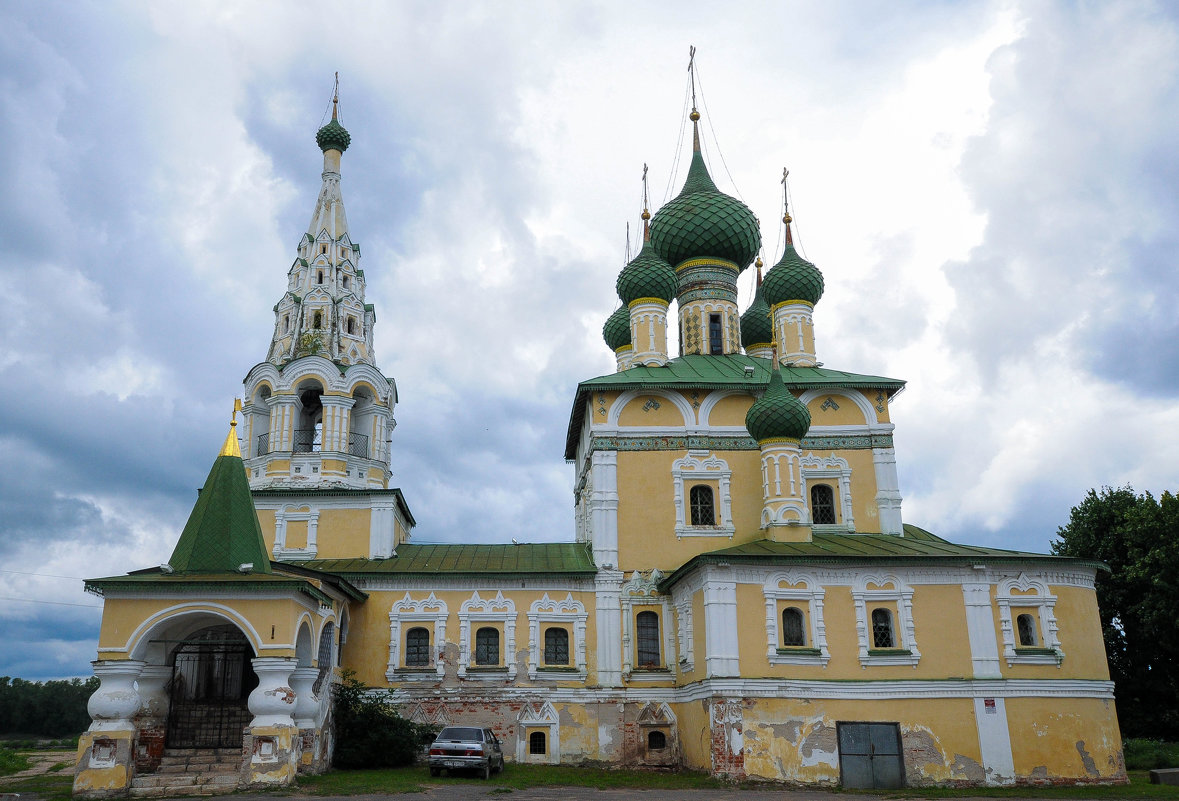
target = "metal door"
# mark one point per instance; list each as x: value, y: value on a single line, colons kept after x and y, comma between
x: 870, y: 756
x: 211, y: 680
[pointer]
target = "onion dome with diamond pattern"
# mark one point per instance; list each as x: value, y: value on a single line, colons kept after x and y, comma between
x: 333, y: 136
x: 616, y: 331
x: 778, y: 414
x: 793, y: 278
x: 647, y: 276
x: 701, y: 222
x: 756, y: 326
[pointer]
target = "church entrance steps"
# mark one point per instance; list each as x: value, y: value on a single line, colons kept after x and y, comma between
x: 191, y: 771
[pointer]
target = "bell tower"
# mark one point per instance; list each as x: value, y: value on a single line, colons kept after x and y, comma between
x: 318, y: 412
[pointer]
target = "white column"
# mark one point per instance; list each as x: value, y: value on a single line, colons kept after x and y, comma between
x: 115, y: 702
x: 608, y: 604
x: 153, y: 694
x: 282, y: 415
x: 335, y: 421
x: 273, y: 700
x: 604, y: 508
x: 306, y: 704
x: 888, y: 492
x: 721, y: 649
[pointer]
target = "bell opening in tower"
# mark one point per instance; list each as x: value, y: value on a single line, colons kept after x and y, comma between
x: 716, y: 341
x: 308, y: 434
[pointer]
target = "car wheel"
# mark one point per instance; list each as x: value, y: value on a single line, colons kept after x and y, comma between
x: 487, y: 770
x: 435, y: 771
x: 500, y: 769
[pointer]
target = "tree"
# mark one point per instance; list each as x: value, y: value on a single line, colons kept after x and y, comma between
x: 1138, y: 537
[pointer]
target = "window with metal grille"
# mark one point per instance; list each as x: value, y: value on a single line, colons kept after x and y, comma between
x: 882, y: 632
x: 703, y: 509
x: 536, y: 744
x: 417, y: 647
x: 324, y: 657
x: 656, y: 741
x: 556, y: 646
x: 647, y: 631
x: 1027, y: 630
x: 793, y: 632
x: 487, y: 646
x: 822, y: 505
x: 716, y: 336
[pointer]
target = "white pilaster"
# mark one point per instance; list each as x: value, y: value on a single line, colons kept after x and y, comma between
x: 608, y: 587
x: 382, y: 529
x: 980, y: 628
x: 604, y: 508
x: 888, y: 492
x: 994, y: 740
x: 721, y: 649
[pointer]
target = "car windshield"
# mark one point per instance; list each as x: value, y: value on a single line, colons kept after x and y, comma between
x: 461, y: 733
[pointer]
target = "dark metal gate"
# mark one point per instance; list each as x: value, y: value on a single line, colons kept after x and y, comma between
x: 870, y: 756
x: 211, y: 680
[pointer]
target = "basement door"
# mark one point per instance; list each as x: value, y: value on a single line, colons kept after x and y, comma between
x: 870, y: 756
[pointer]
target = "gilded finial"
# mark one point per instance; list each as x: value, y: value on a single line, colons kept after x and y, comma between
x: 231, y: 447
x: 758, y: 264
x: 695, y: 115
x: 336, y: 96
x: 786, y: 218
x: 646, y: 215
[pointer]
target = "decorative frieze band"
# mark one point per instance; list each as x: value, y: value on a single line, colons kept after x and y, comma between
x: 735, y: 443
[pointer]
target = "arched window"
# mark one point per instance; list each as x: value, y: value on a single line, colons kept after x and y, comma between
x: 556, y: 646
x: 656, y: 740
x: 703, y: 509
x: 793, y: 632
x: 324, y: 657
x: 286, y: 323
x: 319, y: 278
x: 417, y: 647
x: 351, y: 325
x: 822, y: 505
x: 487, y: 646
x: 317, y: 320
x: 536, y: 744
x: 882, y: 633
x: 647, y: 631
x: 1027, y: 631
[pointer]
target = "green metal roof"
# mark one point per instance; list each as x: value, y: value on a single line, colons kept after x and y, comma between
x: 793, y: 278
x: 222, y: 532
x: 716, y: 372
x: 154, y: 582
x: 528, y: 558
x: 616, y: 331
x: 777, y: 413
x: 916, y: 546
x: 333, y: 136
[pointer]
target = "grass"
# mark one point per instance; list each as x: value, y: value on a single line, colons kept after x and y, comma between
x: 47, y: 786
x: 12, y: 762
x: 1149, y: 754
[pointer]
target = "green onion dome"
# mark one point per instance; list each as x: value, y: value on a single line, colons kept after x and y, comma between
x: 701, y: 221
x: 793, y: 278
x: 647, y: 276
x: 333, y: 136
x: 616, y: 331
x: 756, y: 326
x: 778, y: 414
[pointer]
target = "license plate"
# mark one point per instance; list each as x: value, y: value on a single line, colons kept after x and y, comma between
x: 454, y: 763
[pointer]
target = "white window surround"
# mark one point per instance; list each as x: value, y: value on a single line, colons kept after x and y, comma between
x: 536, y: 716
x: 900, y: 595
x: 1045, y: 606
x: 702, y: 467
x: 835, y: 468
x: 564, y: 611
x: 491, y: 610
x: 804, y: 589
x: 402, y: 616
x: 642, y: 591
x: 290, y: 514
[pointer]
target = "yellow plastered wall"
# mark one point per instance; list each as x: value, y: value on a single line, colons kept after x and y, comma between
x: 730, y: 410
x: 824, y: 412
x: 879, y: 402
x: 651, y: 410
x: 646, y: 508
x: 1071, y: 738
x: 797, y: 737
x: 273, y: 620
x: 692, y: 721
x: 266, y: 522
x: 344, y: 533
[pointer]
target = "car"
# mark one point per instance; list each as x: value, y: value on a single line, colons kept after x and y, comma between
x: 466, y: 748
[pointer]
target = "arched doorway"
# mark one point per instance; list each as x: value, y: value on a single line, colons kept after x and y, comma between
x: 211, y: 680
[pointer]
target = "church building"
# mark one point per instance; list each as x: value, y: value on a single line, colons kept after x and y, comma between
x: 741, y: 593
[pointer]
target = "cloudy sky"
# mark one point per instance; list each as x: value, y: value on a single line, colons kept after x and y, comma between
x: 988, y: 187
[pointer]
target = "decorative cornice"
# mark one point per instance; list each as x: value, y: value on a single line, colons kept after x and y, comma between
x: 732, y: 442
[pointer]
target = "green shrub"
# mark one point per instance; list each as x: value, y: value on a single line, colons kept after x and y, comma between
x: 369, y: 732
x: 1143, y: 754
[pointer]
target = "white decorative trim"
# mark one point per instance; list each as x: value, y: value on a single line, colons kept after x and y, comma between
x: 811, y: 595
x: 722, y: 649
x: 537, y: 716
x: 608, y: 610
x: 1045, y: 605
x: 816, y: 467
x: 642, y: 590
x: 705, y: 467
x: 407, y: 610
x: 901, y: 595
x: 686, y: 637
x: 289, y: 513
x: 677, y: 400
x: 603, y: 508
x: 567, y: 610
x: 487, y: 610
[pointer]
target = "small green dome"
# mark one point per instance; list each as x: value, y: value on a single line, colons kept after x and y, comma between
x: 778, y: 414
x: 701, y: 221
x: 793, y: 278
x: 647, y: 276
x: 756, y: 326
x: 616, y: 331
x: 333, y: 136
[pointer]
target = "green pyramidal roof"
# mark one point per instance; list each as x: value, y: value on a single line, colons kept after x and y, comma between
x: 222, y: 533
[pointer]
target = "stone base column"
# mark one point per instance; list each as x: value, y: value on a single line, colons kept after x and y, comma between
x: 305, y: 713
x: 271, y: 743
x: 151, y: 723
x: 106, y: 752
